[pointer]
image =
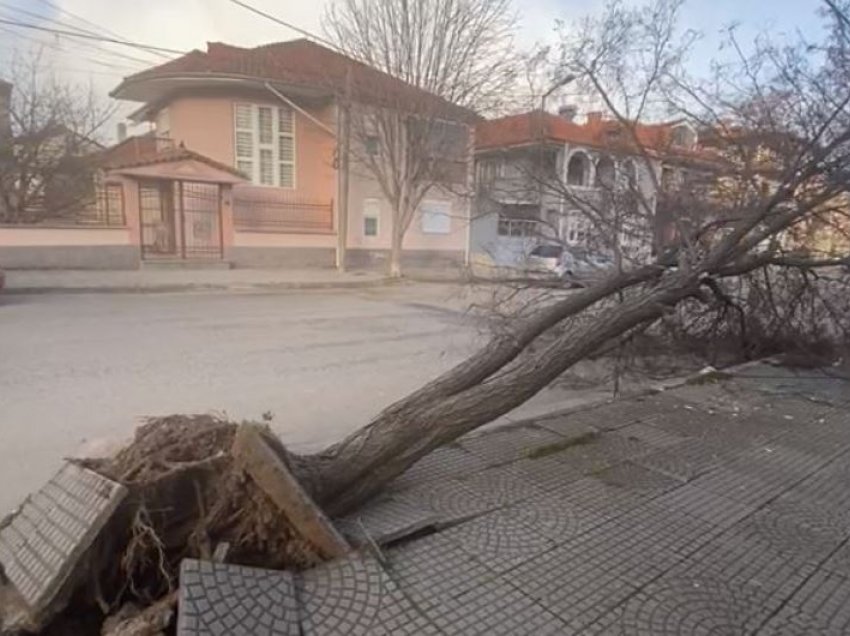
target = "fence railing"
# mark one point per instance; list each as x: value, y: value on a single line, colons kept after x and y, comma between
x: 251, y: 214
x: 104, y: 208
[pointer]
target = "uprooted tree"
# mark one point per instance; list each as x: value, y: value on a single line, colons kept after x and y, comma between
x: 780, y: 127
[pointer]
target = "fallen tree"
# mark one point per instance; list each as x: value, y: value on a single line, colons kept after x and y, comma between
x: 189, y: 494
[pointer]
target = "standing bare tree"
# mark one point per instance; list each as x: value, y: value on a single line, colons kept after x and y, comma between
x: 46, y: 162
x: 457, y: 50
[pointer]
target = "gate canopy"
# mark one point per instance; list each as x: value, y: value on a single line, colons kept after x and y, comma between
x: 177, y: 164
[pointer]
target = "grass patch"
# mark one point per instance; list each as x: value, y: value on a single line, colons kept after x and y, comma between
x: 557, y: 447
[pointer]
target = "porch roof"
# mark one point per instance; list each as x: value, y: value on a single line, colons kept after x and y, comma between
x: 177, y: 164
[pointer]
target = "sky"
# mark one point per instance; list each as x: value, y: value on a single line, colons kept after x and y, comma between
x: 186, y: 24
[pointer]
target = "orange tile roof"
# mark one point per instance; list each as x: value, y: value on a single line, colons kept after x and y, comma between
x: 169, y: 155
x: 529, y: 128
x: 305, y: 63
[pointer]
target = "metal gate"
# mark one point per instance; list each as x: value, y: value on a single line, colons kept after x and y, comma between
x: 180, y: 219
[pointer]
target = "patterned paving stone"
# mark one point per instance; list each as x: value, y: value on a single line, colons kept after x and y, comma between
x: 570, y: 425
x: 751, y: 554
x: 690, y: 605
x: 710, y: 507
x: 685, y: 461
x: 821, y: 606
x: 441, y: 463
x: 451, y: 501
x: 386, y: 519
x: 839, y: 562
x: 356, y: 596
x: 218, y: 599
x: 508, y: 444
x: 502, y: 486
x: 41, y: 544
x: 494, y: 608
x: 587, y: 577
x: 499, y: 540
x: 432, y: 569
x: 586, y: 503
x: 650, y: 435
x: 551, y: 473
x: 643, y: 409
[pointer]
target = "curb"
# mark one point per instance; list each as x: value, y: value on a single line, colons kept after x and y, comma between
x: 196, y: 287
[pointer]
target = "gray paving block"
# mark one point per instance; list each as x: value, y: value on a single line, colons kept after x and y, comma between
x: 387, y: 519
x: 839, y: 562
x: 690, y: 605
x: 586, y: 578
x: 650, y: 435
x: 356, y: 596
x: 712, y: 508
x: 451, y: 501
x: 434, y: 568
x: 686, y: 460
x: 494, y: 609
x: 502, y: 486
x: 42, y: 543
x: 508, y: 444
x: 552, y: 473
x: 499, y: 540
x: 440, y: 464
x: 218, y: 599
x: 820, y: 606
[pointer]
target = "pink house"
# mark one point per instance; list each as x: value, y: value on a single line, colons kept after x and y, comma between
x: 242, y: 167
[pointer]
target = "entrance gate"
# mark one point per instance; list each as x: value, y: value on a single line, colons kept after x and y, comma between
x: 180, y: 220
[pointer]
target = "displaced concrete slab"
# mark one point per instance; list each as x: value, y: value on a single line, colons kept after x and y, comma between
x: 386, y: 519
x: 253, y: 449
x: 217, y: 599
x: 43, y: 543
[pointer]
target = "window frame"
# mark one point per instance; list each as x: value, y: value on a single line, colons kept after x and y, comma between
x: 372, y: 215
x: 258, y: 148
x: 445, y: 211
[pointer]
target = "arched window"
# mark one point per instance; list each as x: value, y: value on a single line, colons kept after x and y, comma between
x: 683, y: 137
x: 578, y: 170
x: 605, y: 173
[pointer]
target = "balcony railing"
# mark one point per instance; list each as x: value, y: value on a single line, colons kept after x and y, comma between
x: 255, y: 214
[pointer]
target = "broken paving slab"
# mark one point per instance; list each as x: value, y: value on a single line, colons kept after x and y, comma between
x: 218, y: 599
x: 386, y: 519
x: 44, y: 542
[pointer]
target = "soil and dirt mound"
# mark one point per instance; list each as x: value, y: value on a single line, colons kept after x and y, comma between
x: 187, y: 496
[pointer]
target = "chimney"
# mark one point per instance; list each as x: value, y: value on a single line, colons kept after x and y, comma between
x: 5, y: 108
x: 121, y: 132
x: 594, y: 118
x: 568, y: 112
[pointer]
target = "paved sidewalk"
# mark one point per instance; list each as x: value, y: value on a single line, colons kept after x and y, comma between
x: 151, y: 280
x: 721, y: 508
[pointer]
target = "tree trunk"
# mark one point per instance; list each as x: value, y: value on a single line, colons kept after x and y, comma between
x: 395, y: 249
x: 350, y: 472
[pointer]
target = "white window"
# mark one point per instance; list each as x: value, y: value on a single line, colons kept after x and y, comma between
x: 371, y: 216
x: 264, y: 139
x: 436, y: 217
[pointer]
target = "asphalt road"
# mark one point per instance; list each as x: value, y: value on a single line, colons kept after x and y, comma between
x: 77, y: 372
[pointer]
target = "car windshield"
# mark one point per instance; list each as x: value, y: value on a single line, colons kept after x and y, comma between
x: 547, y: 251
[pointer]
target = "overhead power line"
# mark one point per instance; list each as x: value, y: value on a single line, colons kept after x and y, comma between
x: 91, y: 46
x: 288, y: 25
x: 86, y: 36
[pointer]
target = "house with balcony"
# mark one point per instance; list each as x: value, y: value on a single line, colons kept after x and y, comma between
x: 245, y: 164
x: 591, y: 184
